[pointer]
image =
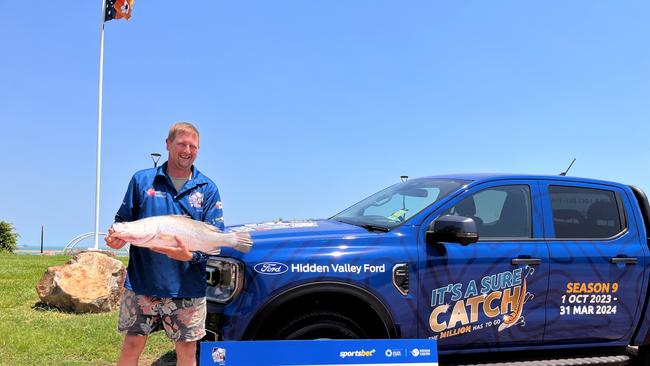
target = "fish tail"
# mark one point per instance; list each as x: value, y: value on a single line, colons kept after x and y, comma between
x: 243, y: 243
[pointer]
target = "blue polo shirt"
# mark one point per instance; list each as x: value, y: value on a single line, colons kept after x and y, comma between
x: 151, y: 193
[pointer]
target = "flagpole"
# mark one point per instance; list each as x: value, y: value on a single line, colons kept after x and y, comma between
x: 99, y: 123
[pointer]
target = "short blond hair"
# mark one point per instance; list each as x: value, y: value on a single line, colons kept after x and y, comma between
x: 181, y: 127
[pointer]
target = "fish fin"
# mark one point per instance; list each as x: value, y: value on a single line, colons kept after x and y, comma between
x: 213, y: 228
x: 528, y: 297
x: 213, y: 251
x: 184, y: 216
x: 244, y: 242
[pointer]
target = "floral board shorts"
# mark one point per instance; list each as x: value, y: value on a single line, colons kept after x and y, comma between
x: 183, y: 319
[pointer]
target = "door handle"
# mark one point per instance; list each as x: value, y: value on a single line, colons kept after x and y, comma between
x: 624, y: 260
x: 531, y: 261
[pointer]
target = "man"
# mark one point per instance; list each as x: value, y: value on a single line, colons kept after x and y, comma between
x: 165, y: 287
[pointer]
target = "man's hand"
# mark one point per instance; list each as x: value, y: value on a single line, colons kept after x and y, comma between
x: 180, y: 252
x: 115, y: 243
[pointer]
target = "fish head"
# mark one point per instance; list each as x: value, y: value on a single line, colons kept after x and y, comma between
x: 135, y: 232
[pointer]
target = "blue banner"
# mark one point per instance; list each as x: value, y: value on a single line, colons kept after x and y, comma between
x: 379, y: 352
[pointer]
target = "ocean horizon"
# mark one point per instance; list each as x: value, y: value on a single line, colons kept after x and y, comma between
x: 38, y: 247
x: 57, y: 248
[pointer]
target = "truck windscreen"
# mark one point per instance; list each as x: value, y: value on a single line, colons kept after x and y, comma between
x: 398, y: 203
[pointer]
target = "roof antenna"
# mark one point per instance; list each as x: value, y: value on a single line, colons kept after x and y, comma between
x: 567, y: 169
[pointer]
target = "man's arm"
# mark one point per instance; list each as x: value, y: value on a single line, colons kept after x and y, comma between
x: 180, y: 252
x: 128, y: 211
x: 212, y: 212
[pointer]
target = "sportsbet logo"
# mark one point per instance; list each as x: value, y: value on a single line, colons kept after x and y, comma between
x: 362, y: 353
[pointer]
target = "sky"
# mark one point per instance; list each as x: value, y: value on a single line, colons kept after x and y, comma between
x: 306, y: 107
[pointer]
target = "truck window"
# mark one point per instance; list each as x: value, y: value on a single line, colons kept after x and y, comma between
x: 585, y: 213
x: 499, y: 212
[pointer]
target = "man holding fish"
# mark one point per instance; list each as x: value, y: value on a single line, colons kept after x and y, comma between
x: 165, y: 285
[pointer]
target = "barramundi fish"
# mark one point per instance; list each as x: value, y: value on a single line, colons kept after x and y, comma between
x: 159, y: 231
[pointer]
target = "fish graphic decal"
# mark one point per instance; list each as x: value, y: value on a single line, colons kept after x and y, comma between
x: 515, y: 317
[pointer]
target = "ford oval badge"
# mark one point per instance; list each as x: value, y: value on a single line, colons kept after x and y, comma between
x: 271, y: 268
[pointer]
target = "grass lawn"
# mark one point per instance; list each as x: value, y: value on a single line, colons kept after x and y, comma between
x: 30, y: 335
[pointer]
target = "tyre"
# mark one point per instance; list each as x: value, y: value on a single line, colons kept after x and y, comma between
x: 643, y: 356
x: 320, y: 325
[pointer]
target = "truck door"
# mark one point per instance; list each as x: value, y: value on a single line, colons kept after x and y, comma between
x: 596, y: 263
x: 493, y: 292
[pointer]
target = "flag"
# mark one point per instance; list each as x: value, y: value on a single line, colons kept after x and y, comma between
x: 118, y: 9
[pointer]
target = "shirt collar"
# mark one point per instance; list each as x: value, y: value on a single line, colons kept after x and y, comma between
x: 197, y: 177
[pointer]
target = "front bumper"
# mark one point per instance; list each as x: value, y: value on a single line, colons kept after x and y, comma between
x: 213, y: 320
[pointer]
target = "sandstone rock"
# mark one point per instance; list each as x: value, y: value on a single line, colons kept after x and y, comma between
x: 91, y: 282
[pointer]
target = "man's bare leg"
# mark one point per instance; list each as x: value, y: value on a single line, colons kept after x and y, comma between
x: 131, y: 350
x: 185, y: 353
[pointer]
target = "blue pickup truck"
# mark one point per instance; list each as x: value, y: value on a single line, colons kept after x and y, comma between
x: 479, y: 262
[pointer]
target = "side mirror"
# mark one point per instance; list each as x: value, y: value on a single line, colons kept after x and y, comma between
x: 454, y: 229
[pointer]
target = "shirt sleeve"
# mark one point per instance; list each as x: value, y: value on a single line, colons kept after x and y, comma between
x: 212, y: 213
x: 129, y: 210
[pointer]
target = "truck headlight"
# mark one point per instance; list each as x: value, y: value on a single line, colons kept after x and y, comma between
x: 225, y: 279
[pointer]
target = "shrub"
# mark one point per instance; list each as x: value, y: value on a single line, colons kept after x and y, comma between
x: 8, y: 238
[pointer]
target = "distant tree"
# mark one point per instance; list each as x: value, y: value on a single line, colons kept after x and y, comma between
x: 8, y: 237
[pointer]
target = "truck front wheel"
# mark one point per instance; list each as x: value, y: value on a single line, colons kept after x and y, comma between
x: 320, y: 325
x: 643, y: 356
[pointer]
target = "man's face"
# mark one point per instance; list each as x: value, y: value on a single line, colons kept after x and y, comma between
x: 183, y: 150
